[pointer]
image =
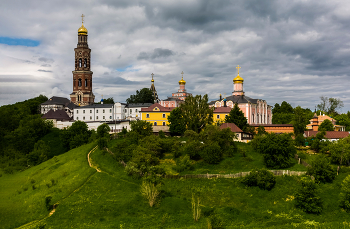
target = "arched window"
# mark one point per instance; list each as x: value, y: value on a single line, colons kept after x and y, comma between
x: 86, y: 83
x: 80, y: 63
x: 79, y: 83
x: 253, y: 118
x: 85, y: 63
x: 155, y: 123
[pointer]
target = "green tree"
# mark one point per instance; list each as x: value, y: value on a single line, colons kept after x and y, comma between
x: 103, y: 130
x: 236, y: 116
x: 39, y: 154
x: 307, y: 197
x: 145, y: 95
x: 343, y: 120
x: 330, y: 105
x: 261, y: 178
x: 300, y: 120
x: 321, y: 170
x: 196, y: 112
x: 141, y: 127
x: 282, y: 114
x: 326, y: 125
x: 340, y: 151
x: 212, y: 153
x: 278, y: 150
x: 261, y: 131
x: 75, y: 135
x: 107, y: 101
x: 317, y: 142
x: 345, y: 194
x: 177, y: 125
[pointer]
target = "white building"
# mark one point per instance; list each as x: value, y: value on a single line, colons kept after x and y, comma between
x: 58, y: 103
x: 132, y: 110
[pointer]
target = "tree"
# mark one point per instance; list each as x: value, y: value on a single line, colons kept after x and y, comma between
x: 236, y: 116
x: 278, y: 150
x: 307, y: 197
x: 141, y: 127
x: 300, y: 120
x: 75, y: 135
x: 317, y: 142
x: 261, y: 131
x: 340, y: 151
x: 330, y: 105
x: 107, y: 101
x: 326, y: 125
x: 103, y: 130
x: 196, y: 112
x: 343, y: 120
x: 39, y: 154
x: 282, y: 114
x: 212, y: 153
x: 177, y: 125
x: 145, y: 95
x: 321, y: 170
x: 345, y: 194
x: 262, y: 178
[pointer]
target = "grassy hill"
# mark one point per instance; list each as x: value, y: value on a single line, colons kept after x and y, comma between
x: 111, y: 199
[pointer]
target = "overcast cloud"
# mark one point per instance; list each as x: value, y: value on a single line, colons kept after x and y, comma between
x: 294, y: 51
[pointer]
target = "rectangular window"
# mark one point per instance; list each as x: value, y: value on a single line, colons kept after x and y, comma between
x: 135, y: 110
x: 83, y: 111
x: 217, y: 116
x: 77, y: 118
x: 103, y: 111
x: 130, y: 111
x: 155, y: 123
x: 163, y: 115
x: 103, y: 117
x: 163, y: 123
x: 77, y: 111
x: 96, y: 111
x: 96, y: 117
x: 147, y: 115
x: 90, y: 111
x: 110, y: 117
x: 90, y: 117
x: 84, y: 118
x: 110, y: 110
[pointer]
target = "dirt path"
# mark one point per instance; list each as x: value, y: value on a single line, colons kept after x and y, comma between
x: 89, y: 160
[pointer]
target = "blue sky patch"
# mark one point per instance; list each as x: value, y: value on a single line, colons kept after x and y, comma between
x: 127, y: 69
x: 19, y: 41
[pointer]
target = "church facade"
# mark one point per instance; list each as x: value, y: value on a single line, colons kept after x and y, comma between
x: 82, y: 75
x: 257, y: 111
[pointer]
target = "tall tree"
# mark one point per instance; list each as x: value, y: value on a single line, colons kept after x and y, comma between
x: 330, y: 105
x: 282, y: 114
x: 343, y: 120
x: 196, y: 112
x: 145, y: 95
x: 300, y: 120
x: 107, y: 101
x: 326, y: 125
x: 236, y: 116
x: 177, y: 125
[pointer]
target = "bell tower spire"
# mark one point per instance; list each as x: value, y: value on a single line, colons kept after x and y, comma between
x: 82, y: 75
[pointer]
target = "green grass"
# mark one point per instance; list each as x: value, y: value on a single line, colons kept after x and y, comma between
x: 23, y: 203
x: 111, y: 199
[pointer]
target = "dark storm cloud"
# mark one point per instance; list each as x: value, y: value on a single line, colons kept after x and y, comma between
x: 157, y: 53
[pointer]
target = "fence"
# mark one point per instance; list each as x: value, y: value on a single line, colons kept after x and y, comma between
x: 235, y: 175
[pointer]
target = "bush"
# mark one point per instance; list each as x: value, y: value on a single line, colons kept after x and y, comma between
x: 193, y: 149
x: 345, y: 194
x: 262, y: 178
x: 212, y: 153
x: 278, y: 150
x: 307, y: 198
x: 183, y: 164
x: 321, y: 170
x: 48, y: 204
x: 102, y: 143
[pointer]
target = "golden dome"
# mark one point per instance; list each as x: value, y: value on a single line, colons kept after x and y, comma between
x: 238, y: 79
x: 82, y: 30
x: 182, y: 81
x: 152, y: 80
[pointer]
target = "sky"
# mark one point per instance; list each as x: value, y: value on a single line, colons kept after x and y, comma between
x: 288, y: 50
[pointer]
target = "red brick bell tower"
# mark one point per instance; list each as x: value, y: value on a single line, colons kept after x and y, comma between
x: 82, y: 76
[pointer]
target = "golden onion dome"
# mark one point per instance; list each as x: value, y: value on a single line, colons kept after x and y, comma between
x: 152, y: 80
x: 238, y: 79
x: 182, y: 81
x: 82, y: 30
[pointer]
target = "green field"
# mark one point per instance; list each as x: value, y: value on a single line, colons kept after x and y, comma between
x: 111, y: 199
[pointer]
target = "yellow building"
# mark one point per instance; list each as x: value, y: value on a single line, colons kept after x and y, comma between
x: 220, y: 113
x: 156, y: 114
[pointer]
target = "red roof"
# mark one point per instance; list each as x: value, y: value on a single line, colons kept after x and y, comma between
x: 160, y: 108
x: 232, y: 126
x: 222, y: 110
x: 329, y: 134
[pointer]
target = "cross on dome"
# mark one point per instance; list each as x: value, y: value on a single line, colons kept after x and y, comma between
x: 238, y: 67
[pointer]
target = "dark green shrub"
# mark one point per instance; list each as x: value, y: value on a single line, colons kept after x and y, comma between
x: 278, y: 150
x: 183, y: 164
x: 321, y: 170
x: 345, y: 194
x: 261, y: 178
x: 48, y: 204
x: 212, y: 153
x: 102, y: 143
x: 161, y: 134
x: 215, y: 222
x: 307, y: 197
x: 193, y: 149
